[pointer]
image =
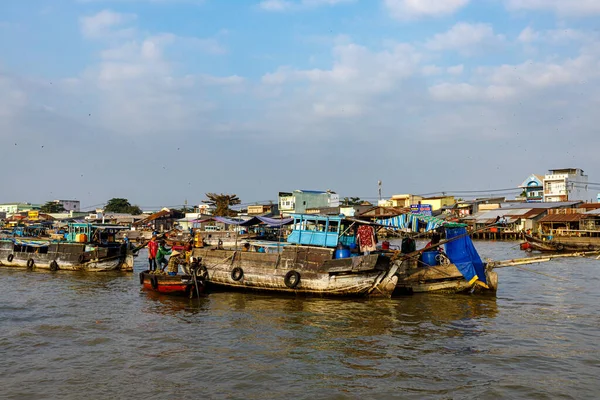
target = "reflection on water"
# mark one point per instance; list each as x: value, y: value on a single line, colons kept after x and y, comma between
x: 67, y: 334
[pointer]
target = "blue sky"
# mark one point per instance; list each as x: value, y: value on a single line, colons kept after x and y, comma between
x: 161, y: 101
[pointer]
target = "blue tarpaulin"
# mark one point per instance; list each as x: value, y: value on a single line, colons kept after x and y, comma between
x: 463, y: 254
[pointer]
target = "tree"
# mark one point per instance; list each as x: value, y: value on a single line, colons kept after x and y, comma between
x: 52, y: 207
x: 352, y: 201
x: 119, y: 205
x: 221, y: 203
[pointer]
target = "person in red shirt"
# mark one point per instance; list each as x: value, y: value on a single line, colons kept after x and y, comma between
x: 152, y: 250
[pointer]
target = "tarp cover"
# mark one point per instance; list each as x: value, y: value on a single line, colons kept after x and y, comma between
x: 463, y: 254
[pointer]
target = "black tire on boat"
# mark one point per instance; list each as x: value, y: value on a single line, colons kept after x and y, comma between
x: 560, y: 247
x: 30, y: 263
x: 81, y: 258
x: 237, y: 273
x: 10, y: 257
x: 53, y: 266
x: 292, y: 279
x: 154, y: 282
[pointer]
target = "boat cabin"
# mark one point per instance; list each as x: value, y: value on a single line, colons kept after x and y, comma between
x: 92, y: 233
x: 321, y: 230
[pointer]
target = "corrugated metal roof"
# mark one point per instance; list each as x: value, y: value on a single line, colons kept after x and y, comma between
x: 563, y: 217
x: 547, y: 205
x: 511, y: 215
x: 593, y: 212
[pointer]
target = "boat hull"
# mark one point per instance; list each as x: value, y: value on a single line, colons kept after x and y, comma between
x: 440, y: 279
x: 299, y: 270
x: 66, y: 256
x: 566, y: 244
x: 178, y: 285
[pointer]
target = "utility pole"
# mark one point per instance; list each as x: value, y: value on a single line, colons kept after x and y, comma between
x: 379, y: 185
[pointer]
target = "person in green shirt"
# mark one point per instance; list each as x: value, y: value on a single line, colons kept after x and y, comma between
x: 161, y: 259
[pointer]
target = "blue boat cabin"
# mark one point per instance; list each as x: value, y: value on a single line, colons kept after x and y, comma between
x: 321, y: 230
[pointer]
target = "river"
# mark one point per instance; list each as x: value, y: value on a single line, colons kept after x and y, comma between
x: 69, y: 335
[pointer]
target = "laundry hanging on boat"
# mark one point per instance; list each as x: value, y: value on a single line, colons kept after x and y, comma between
x: 366, y: 238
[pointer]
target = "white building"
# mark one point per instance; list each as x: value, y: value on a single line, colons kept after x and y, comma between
x: 565, y: 184
x: 13, y: 208
x: 69, y: 205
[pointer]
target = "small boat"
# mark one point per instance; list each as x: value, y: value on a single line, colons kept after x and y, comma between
x: 441, y: 279
x: 85, y: 247
x: 178, y: 285
x: 457, y: 270
x: 310, y: 263
x: 561, y: 244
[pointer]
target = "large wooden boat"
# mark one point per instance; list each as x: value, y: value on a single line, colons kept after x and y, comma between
x: 561, y: 244
x: 75, y: 252
x: 308, y: 264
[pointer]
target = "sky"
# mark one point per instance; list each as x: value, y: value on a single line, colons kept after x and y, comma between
x: 162, y: 101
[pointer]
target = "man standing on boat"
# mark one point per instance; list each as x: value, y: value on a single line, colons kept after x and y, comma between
x: 152, y: 251
x: 161, y: 254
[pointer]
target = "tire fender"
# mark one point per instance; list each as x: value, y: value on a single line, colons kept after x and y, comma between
x: 292, y: 279
x: 237, y: 274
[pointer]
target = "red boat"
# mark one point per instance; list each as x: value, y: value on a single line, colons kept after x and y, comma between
x: 179, y: 285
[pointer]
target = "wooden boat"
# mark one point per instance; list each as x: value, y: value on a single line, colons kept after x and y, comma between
x: 441, y: 279
x: 561, y: 244
x: 179, y: 285
x: 431, y: 270
x: 76, y: 252
x: 308, y: 264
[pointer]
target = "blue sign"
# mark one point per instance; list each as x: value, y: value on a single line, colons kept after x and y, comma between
x: 424, y: 209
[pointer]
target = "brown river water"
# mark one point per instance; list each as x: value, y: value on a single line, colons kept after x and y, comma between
x: 69, y: 335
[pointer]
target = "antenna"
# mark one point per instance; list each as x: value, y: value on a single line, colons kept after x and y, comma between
x: 379, y: 184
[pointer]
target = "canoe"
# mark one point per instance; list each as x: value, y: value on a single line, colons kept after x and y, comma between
x: 178, y: 285
x: 562, y: 244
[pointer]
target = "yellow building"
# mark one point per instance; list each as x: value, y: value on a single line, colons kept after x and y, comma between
x: 403, y: 200
x: 437, y: 203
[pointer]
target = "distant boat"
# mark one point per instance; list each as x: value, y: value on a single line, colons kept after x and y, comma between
x: 561, y: 244
x: 85, y: 247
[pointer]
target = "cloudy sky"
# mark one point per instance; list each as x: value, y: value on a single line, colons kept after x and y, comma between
x: 160, y: 101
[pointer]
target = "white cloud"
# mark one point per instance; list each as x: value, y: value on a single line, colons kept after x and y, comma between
x: 105, y: 24
x: 12, y: 98
x: 556, y: 36
x: 289, y: 5
x: 455, y: 70
x: 430, y: 70
x: 465, y: 38
x: 560, y: 7
x: 461, y: 92
x: 413, y: 9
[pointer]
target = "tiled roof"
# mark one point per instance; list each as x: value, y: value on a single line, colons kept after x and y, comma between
x: 563, y: 218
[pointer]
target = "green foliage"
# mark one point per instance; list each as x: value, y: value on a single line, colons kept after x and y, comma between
x: 222, y: 203
x: 52, y: 207
x: 119, y: 205
x: 351, y: 201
